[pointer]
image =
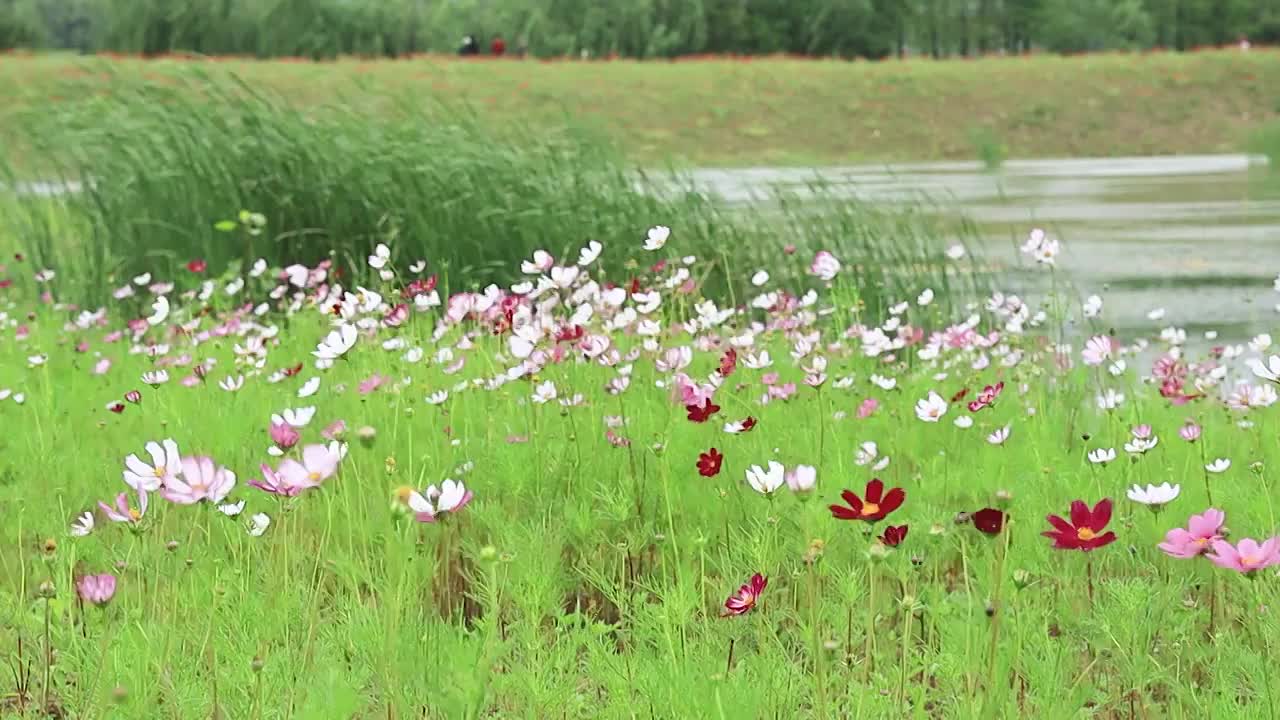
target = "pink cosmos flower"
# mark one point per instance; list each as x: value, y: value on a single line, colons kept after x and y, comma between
x: 1189, y: 432
x: 97, y: 589
x: 102, y: 366
x: 825, y: 266
x: 1201, y: 533
x: 1247, y: 556
x: 201, y: 480
x: 284, y: 435
x: 275, y: 484
x: 867, y: 408
x: 121, y: 512
x: 373, y: 382
x: 334, y: 430
x: 318, y: 464
x: 742, y: 601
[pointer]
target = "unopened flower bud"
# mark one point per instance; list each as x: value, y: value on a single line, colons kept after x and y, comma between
x: 878, y: 552
x: 257, y: 664
x: 367, y: 435
x: 47, y: 590
x: 50, y: 546
x: 119, y: 695
x: 171, y: 545
x: 488, y: 553
x: 1003, y: 499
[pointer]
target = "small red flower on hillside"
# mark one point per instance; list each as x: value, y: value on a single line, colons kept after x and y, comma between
x: 291, y: 371
x: 876, y: 506
x: 989, y: 520
x: 742, y: 601
x: 728, y: 363
x: 700, y: 413
x: 987, y: 397
x: 960, y: 395
x: 1084, y: 532
x: 894, y: 535
x: 709, y: 463
x: 197, y: 266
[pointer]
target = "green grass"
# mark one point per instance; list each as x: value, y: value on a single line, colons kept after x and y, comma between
x: 585, y: 579
x: 764, y: 111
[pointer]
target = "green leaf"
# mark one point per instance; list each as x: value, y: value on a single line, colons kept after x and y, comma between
x: 225, y: 225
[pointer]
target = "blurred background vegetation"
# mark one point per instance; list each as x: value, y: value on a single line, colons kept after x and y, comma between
x: 633, y: 28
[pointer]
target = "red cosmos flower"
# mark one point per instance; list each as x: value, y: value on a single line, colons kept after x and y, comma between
x: 989, y: 521
x: 876, y: 506
x: 570, y: 334
x: 700, y: 413
x: 742, y: 601
x: 960, y: 395
x: 396, y: 316
x: 987, y: 397
x: 421, y: 286
x: 1084, y: 532
x: 894, y: 535
x: 728, y: 363
x: 197, y: 266
x: 291, y: 371
x: 133, y: 396
x: 709, y: 463
x: 5, y: 283
x: 116, y: 407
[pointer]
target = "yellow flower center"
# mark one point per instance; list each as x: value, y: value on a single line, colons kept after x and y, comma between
x: 403, y: 492
x: 314, y: 476
x: 160, y: 472
x: 1248, y: 560
x: 1085, y: 534
x: 870, y: 509
x: 1201, y: 542
x: 134, y: 515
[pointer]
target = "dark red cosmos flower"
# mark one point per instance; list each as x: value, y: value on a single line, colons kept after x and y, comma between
x: 728, y: 363
x: 421, y: 286
x: 5, y: 283
x: 709, y: 463
x: 987, y: 397
x: 742, y: 601
x: 291, y: 371
x: 197, y: 266
x: 875, y: 507
x: 1084, y: 532
x: 700, y: 413
x: 989, y: 521
x: 116, y: 407
x: 894, y: 535
x: 960, y: 395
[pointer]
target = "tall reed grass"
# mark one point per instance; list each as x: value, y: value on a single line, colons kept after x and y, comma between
x: 160, y: 166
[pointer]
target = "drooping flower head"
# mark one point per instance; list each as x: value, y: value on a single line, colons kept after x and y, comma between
x: 874, y: 505
x: 742, y: 601
x: 122, y: 512
x: 1085, y: 531
x: 989, y: 521
x: 893, y: 535
x: 97, y: 589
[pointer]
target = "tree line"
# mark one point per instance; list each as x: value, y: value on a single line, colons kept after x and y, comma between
x: 633, y: 28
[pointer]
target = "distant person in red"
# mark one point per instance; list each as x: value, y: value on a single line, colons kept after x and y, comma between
x: 498, y: 47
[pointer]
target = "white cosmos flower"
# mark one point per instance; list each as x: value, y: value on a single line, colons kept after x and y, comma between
x: 1219, y: 465
x: 160, y: 311
x: 381, y: 255
x: 1117, y: 368
x: 925, y: 297
x: 766, y: 481
x: 1270, y: 371
x: 83, y: 525
x: 931, y: 408
x: 999, y: 435
x: 309, y: 388
x: 1156, y: 314
x: 866, y: 453
x: 588, y: 254
x: 1092, y: 306
x: 964, y: 422
x: 1139, y: 446
x: 295, y: 417
x: 657, y: 237
x: 544, y: 392
x: 142, y: 279
x: 1097, y: 350
x: 1110, y: 400
x: 1260, y: 342
x: 1154, y: 495
x: 231, y: 509
x: 258, y: 524
x: 955, y: 252
x: 155, y: 378
x: 1102, y: 456
x: 438, y: 397
x: 259, y: 267
x: 336, y: 343
x: 760, y: 278
x: 231, y: 383
x: 165, y: 463
x: 542, y: 261
x: 451, y: 496
x: 757, y: 361
x: 884, y: 383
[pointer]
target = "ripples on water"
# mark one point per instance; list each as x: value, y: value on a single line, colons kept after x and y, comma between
x: 1196, y: 235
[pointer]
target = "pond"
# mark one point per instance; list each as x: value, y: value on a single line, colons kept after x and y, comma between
x: 1196, y: 236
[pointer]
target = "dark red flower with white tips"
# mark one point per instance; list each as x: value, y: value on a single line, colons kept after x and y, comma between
x: 709, y: 463
x: 989, y: 521
x: 197, y: 266
x: 987, y: 397
x: 728, y: 363
x: 291, y: 371
x: 742, y: 601
x: 396, y: 316
x: 1085, y: 531
x: 894, y: 535
x: 701, y: 413
x: 740, y: 426
x: 874, y: 505
x: 116, y: 407
x: 960, y: 395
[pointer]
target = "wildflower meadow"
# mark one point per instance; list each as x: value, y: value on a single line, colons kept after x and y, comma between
x: 348, y: 490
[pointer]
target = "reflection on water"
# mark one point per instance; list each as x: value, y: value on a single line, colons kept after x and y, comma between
x: 1194, y: 235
